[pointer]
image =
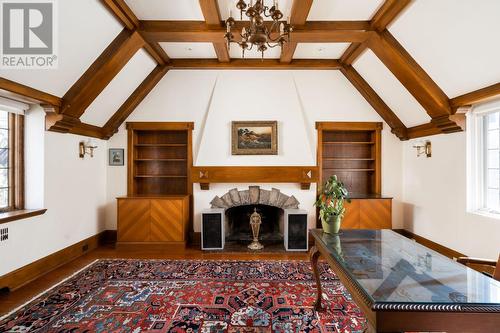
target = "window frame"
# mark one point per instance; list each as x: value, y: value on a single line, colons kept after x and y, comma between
x: 16, y: 163
x: 477, y: 159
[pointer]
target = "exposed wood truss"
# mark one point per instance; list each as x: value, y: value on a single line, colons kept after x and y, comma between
x: 27, y: 94
x: 298, y: 17
x: 199, y: 31
x: 397, y: 126
x: 211, y: 12
x: 254, y: 64
x: 387, y: 13
x: 111, y: 127
x: 477, y: 96
x: 64, y: 113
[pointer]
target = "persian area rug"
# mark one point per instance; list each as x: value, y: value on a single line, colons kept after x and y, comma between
x: 190, y: 296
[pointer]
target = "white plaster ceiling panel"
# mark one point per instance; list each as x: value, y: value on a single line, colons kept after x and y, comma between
x: 325, y: 10
x: 285, y: 6
x: 455, y: 41
x: 80, y: 41
x: 189, y: 50
x: 166, y: 9
x: 320, y: 50
x: 392, y: 92
x: 119, y: 89
x: 271, y: 53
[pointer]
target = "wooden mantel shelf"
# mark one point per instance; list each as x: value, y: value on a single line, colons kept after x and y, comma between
x: 304, y: 175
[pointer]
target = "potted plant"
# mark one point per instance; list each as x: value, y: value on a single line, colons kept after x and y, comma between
x: 331, y: 204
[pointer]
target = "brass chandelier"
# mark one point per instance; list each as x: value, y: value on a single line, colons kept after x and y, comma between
x: 258, y: 34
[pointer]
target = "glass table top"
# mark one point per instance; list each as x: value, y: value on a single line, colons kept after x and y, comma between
x: 391, y: 268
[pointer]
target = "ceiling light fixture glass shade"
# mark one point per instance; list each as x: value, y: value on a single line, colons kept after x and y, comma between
x: 259, y: 34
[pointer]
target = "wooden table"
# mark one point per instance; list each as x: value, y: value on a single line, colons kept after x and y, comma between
x: 403, y: 286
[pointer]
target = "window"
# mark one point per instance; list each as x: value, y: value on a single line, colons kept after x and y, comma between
x: 484, y: 158
x: 11, y: 161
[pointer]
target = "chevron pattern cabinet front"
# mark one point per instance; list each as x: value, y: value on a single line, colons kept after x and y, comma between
x: 372, y: 213
x: 154, y: 221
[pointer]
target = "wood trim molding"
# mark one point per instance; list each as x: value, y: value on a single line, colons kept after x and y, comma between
x: 21, y: 214
x: 17, y: 91
x: 397, y: 126
x: 304, y: 175
x: 387, y: 13
x: 298, y: 17
x: 21, y: 276
x: 113, y: 124
x: 160, y: 126
x: 299, y: 64
x: 61, y: 123
x: 477, y: 96
x: 100, y: 73
x: 211, y: 12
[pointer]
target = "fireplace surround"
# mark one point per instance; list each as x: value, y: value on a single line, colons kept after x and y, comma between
x: 238, y: 205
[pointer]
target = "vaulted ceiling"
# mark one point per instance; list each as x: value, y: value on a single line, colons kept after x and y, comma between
x: 415, y: 62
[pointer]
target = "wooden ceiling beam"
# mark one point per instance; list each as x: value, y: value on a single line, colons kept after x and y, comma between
x: 113, y: 124
x: 129, y: 20
x: 387, y: 13
x: 385, y: 112
x: 14, y: 90
x: 311, y: 32
x: 298, y: 17
x: 211, y: 12
x: 122, y: 12
x: 422, y: 130
x: 410, y: 74
x: 100, y: 73
x: 476, y: 96
x: 272, y: 64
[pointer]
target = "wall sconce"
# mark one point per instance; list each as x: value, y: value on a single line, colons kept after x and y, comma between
x: 86, y: 148
x: 424, y: 148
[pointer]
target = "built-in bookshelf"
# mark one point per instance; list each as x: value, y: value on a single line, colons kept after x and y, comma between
x: 159, y: 159
x: 351, y: 150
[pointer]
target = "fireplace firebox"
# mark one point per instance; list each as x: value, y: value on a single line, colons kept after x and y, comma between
x: 238, y: 224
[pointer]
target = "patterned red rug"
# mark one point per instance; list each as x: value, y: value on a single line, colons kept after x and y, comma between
x: 189, y: 296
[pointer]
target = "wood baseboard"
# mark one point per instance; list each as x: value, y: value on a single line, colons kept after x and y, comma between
x: 450, y: 253
x: 30, y: 272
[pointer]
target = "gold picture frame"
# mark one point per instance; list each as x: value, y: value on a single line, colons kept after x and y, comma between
x: 254, y: 137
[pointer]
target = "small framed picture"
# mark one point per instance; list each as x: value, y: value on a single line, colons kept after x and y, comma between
x: 116, y: 157
x: 254, y: 138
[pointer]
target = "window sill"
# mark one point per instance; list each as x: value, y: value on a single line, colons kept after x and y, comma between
x: 486, y: 214
x: 20, y: 214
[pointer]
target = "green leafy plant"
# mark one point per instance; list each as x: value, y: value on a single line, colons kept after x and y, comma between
x: 331, y: 199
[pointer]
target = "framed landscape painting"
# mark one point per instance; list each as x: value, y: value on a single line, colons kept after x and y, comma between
x: 254, y: 138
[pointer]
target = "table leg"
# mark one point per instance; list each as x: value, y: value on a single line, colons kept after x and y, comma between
x: 314, y: 256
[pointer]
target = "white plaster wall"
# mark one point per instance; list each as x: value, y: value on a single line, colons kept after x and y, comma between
x: 212, y: 99
x: 74, y: 192
x: 435, y: 199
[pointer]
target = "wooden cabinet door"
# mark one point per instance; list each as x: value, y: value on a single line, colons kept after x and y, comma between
x: 375, y: 214
x: 167, y: 220
x: 351, y: 217
x: 133, y: 220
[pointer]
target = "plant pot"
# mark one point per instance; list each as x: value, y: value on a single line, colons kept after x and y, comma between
x: 332, y: 226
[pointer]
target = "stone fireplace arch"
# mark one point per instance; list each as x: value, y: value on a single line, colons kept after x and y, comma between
x: 255, y: 196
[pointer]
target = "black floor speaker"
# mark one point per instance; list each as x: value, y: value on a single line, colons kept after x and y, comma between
x: 296, y: 232
x: 212, y: 229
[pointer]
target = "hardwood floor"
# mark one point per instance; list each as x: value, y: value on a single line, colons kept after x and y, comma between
x: 10, y: 301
